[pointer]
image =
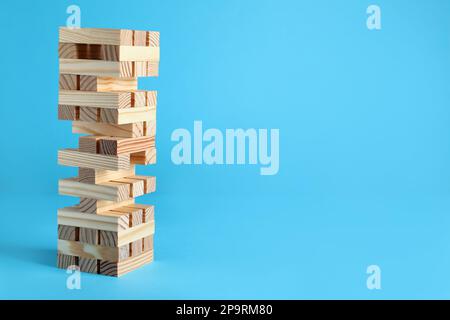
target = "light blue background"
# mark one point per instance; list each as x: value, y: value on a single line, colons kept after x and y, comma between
x: 364, y: 119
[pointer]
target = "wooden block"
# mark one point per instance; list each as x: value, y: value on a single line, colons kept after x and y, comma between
x: 135, y: 233
x: 85, y: 250
x: 88, y: 144
x: 149, y: 183
x: 89, y: 51
x: 93, y: 176
x: 105, y: 267
x: 129, y: 130
x: 108, y: 238
x: 65, y: 261
x: 113, y: 100
x: 68, y: 112
x: 127, y: 115
x: 89, y: 265
x: 87, y: 205
x: 152, y: 69
x: 101, y: 68
x: 153, y: 39
x: 144, y: 157
x: 121, y: 268
x: 68, y: 232
x: 89, y: 235
x: 140, y: 38
x: 148, y: 211
x: 112, y: 191
x: 118, y: 37
x: 117, y: 145
x: 69, y: 82
x: 75, y: 158
x: 74, y: 217
x: 136, y: 186
x: 147, y: 243
x: 136, y: 215
x: 89, y: 114
x: 136, y: 248
x: 105, y: 84
x: 107, y: 115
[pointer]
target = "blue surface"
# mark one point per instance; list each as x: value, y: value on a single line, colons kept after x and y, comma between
x: 364, y: 119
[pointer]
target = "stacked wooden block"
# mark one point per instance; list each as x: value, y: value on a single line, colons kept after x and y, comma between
x: 107, y: 232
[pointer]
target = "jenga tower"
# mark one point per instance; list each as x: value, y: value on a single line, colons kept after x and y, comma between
x: 107, y: 232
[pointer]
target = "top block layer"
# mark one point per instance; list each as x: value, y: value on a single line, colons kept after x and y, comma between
x: 118, y: 37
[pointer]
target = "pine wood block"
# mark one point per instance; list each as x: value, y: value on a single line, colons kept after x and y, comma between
x: 135, y: 215
x: 109, y: 245
x: 115, y: 145
x: 144, y: 157
x: 115, y: 190
x: 85, y: 250
x: 129, y: 130
x: 148, y: 211
x: 75, y: 158
x: 112, y: 100
x: 74, y: 217
x: 105, y: 84
x: 107, y: 52
x: 115, y: 69
x: 116, y: 37
x: 105, y: 267
x: 107, y: 115
x: 112, y: 191
x: 68, y: 112
x: 89, y: 265
x: 147, y: 243
x: 65, y: 261
x: 93, y: 206
x: 68, y: 232
x: 123, y: 267
x: 88, y: 235
x: 94, y: 176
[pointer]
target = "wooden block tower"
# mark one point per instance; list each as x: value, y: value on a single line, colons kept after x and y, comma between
x: 107, y: 232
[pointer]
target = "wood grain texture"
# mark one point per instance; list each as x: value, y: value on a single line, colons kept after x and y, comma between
x: 103, y: 84
x: 116, y: 69
x: 117, y: 269
x: 135, y: 215
x: 69, y: 82
x: 115, y: 145
x: 129, y: 130
x: 75, y: 158
x: 89, y: 235
x: 96, y: 84
x: 144, y: 157
x: 147, y: 243
x: 148, y: 181
x: 68, y: 112
x: 148, y: 211
x: 113, y: 100
x: 107, y: 52
x: 105, y: 267
x: 88, y: 205
x: 68, y: 232
x: 118, y: 37
x: 93, y: 176
x: 85, y: 250
x: 89, y: 265
x: 112, y: 191
x: 74, y: 217
x: 107, y: 115
x: 65, y: 261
